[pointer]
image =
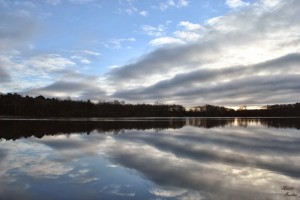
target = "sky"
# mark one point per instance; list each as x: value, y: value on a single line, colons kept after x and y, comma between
x: 188, y: 52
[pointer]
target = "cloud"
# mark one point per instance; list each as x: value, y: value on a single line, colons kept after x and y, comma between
x: 187, y: 36
x: 48, y: 63
x: 85, y: 56
x: 233, y: 59
x: 190, y: 26
x: 81, y: 59
x: 131, y: 10
x: 28, y: 71
x: 191, y: 162
x: 144, y: 13
x: 34, y: 164
x: 16, y: 30
x: 153, y: 31
x: 187, y: 165
x: 173, y: 4
x: 182, y: 3
x: 236, y: 3
x: 191, y: 32
x: 118, y: 43
x: 75, y: 85
x: 4, y: 76
x: 170, y: 59
x: 222, y: 84
x: 162, y: 41
x: 128, y: 7
x: 269, y: 4
x: 86, y: 53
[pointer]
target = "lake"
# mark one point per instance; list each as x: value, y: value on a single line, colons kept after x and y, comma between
x: 150, y: 158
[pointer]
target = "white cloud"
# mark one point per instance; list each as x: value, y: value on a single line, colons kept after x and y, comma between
x: 81, y: 59
x: 131, y: 11
x: 213, y: 21
x: 173, y: 3
x: 190, y: 26
x: 113, y: 66
x: 191, y: 32
x: 153, y: 31
x: 48, y: 63
x: 128, y: 7
x: 271, y: 3
x: 188, y: 36
x: 162, y: 41
x: 182, y: 3
x: 118, y: 43
x: 85, y: 56
x: 87, y: 53
x: 33, y: 71
x: 144, y: 13
x: 236, y: 3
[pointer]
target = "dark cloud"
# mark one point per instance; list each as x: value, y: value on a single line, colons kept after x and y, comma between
x: 253, y: 82
x: 77, y: 86
x: 4, y: 76
x: 203, y: 72
x: 161, y: 61
x: 63, y: 86
x: 251, y: 90
x: 16, y: 29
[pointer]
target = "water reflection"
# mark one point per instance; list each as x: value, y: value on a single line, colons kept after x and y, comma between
x: 14, y: 129
x: 186, y: 159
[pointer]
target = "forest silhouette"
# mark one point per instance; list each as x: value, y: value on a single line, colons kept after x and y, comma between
x: 15, y: 105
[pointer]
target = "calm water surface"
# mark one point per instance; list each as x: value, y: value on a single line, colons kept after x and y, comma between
x: 167, y: 158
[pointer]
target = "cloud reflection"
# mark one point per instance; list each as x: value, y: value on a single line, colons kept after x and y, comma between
x: 217, y: 170
x: 230, y: 162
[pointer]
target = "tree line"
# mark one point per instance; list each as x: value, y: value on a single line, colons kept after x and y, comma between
x: 16, y: 105
x: 26, y: 106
